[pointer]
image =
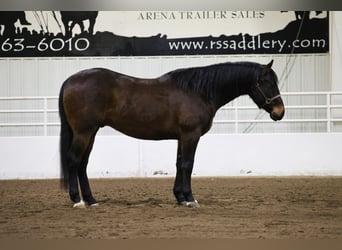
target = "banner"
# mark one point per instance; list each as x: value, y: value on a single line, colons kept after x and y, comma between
x: 161, y: 33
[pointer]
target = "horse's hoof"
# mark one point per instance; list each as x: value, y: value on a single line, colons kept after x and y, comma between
x: 80, y: 204
x: 192, y: 204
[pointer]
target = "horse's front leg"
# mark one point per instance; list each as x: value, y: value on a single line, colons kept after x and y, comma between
x: 185, y: 159
x: 178, y: 186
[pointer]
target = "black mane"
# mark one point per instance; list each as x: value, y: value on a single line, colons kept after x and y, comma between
x: 209, y: 81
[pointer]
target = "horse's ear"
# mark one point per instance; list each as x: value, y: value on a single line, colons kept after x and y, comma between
x: 266, y: 68
x: 269, y: 65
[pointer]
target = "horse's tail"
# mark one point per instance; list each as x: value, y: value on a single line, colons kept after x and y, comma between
x: 65, y: 141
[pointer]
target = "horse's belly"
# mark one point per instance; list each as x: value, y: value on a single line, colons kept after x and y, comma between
x: 146, y: 131
x: 144, y: 126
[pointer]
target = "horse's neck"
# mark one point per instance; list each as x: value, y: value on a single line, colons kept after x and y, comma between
x: 232, y: 89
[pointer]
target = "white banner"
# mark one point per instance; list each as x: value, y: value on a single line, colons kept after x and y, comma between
x: 143, y: 33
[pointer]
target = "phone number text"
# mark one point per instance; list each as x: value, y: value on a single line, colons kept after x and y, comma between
x: 55, y: 44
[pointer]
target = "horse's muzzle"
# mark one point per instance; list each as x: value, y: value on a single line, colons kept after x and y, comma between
x: 277, y: 113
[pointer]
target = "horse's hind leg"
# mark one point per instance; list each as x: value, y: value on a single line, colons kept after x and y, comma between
x: 83, y: 178
x: 77, y: 150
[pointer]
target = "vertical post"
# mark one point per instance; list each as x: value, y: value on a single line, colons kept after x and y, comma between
x: 328, y: 112
x: 45, y: 116
x: 236, y: 125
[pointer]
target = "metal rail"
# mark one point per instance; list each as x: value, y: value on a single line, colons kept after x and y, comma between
x: 332, y: 109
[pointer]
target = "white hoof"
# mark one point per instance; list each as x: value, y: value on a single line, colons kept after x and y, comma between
x: 192, y: 204
x: 80, y: 204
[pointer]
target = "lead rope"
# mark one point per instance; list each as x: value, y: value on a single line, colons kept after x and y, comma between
x: 284, y: 76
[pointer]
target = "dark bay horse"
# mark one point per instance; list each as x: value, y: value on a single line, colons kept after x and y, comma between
x: 179, y: 105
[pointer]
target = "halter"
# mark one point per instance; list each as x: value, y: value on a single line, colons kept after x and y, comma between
x: 267, y: 99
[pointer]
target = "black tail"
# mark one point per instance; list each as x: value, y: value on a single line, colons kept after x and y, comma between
x: 65, y: 141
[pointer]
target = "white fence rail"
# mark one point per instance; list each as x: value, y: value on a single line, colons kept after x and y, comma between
x: 331, y: 107
x: 310, y: 111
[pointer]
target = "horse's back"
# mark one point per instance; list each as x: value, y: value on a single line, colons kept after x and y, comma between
x: 92, y: 78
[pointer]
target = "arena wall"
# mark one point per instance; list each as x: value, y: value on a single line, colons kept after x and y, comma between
x: 217, y: 155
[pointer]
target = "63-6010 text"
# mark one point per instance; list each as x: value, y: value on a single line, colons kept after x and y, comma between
x: 55, y: 44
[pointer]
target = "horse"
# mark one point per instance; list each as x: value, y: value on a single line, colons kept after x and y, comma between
x: 178, y: 105
x: 78, y: 17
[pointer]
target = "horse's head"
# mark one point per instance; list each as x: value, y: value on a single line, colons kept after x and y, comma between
x: 265, y: 93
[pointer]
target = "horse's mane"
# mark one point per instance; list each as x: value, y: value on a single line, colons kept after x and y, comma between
x: 208, y: 79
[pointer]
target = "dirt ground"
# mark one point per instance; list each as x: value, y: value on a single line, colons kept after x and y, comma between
x: 234, y: 208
